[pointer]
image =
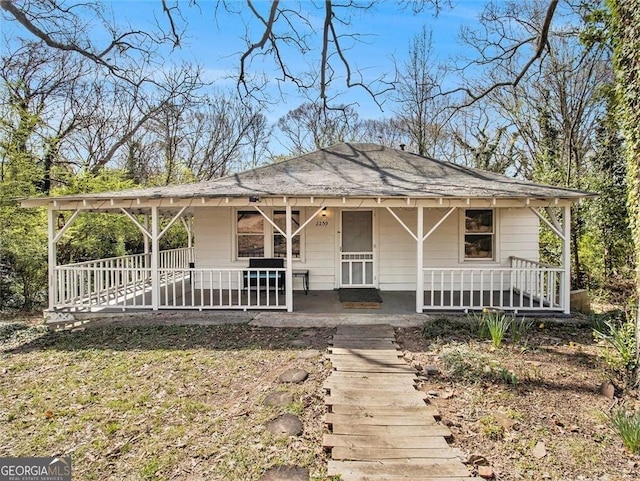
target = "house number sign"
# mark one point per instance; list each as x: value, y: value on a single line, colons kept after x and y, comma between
x: 322, y: 223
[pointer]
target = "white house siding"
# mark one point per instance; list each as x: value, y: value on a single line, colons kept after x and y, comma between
x: 396, y: 249
x: 320, y: 250
x: 214, y: 234
x: 519, y: 235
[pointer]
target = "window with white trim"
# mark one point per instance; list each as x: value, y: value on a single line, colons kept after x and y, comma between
x: 479, y: 234
x: 279, y: 241
x: 250, y: 234
x: 256, y: 237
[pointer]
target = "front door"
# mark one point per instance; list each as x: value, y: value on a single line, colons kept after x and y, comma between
x: 356, y: 253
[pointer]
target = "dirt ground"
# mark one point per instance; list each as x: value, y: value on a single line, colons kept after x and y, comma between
x: 531, y: 410
x: 147, y: 399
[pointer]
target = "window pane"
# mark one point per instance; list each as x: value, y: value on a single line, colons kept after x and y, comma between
x: 280, y: 246
x: 280, y: 219
x: 478, y: 246
x: 478, y: 220
x: 250, y: 223
x: 279, y: 242
x: 357, y: 228
x: 250, y: 245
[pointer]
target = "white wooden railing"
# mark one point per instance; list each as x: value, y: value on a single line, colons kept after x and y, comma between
x: 126, y: 282
x: 526, y: 285
x: 231, y: 288
x: 116, y: 281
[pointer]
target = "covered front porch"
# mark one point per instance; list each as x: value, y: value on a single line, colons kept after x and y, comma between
x: 127, y: 283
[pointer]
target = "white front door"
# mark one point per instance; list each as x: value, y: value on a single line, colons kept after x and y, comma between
x: 356, y: 253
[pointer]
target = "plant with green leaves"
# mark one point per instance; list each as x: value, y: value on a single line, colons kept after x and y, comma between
x: 492, y: 324
x: 617, y: 332
x: 627, y: 425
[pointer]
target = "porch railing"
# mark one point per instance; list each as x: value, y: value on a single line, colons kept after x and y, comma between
x: 116, y: 281
x: 232, y: 288
x: 526, y: 285
x: 126, y: 282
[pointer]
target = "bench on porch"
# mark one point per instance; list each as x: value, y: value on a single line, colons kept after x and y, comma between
x: 259, y: 274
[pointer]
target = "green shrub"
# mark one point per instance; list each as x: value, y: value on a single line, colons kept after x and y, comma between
x: 627, y: 425
x: 617, y: 332
x: 520, y: 328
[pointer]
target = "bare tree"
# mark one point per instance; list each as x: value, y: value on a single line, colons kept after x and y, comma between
x: 312, y: 126
x: 389, y: 132
x: 419, y: 109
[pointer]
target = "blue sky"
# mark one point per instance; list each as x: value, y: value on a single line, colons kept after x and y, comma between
x: 216, y: 43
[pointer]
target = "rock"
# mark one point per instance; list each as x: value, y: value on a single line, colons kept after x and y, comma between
x: 300, y: 343
x: 432, y: 393
x: 278, y: 398
x: 486, y: 472
x: 309, y: 333
x: 607, y: 390
x: 309, y: 354
x: 539, y: 451
x: 285, y: 473
x: 285, y: 425
x: 477, y: 460
x: 448, y: 395
x: 408, y: 355
x: 294, y: 376
x: 506, y: 422
x: 431, y: 370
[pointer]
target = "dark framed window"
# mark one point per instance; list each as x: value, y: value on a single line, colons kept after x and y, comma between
x: 479, y: 234
x: 250, y: 234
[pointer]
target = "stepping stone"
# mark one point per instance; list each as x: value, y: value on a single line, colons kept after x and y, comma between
x: 285, y: 473
x: 294, y: 376
x: 309, y: 354
x: 285, y: 425
x: 278, y: 399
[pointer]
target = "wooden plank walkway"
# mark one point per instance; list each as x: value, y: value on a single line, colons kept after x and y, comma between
x: 380, y: 427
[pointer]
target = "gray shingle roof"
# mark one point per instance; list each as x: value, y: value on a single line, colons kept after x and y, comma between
x: 356, y: 170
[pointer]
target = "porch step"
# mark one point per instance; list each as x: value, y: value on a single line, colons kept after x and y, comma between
x: 300, y: 319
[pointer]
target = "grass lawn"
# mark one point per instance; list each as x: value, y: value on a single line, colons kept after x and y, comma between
x: 158, y: 402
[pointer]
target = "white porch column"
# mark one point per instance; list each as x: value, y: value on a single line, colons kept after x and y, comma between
x: 566, y: 260
x: 420, y: 261
x: 155, y: 258
x: 146, y: 238
x: 289, y: 271
x: 52, y: 252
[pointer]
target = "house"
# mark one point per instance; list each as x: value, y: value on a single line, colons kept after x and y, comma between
x: 351, y: 215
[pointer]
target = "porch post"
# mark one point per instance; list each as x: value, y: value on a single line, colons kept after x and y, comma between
x: 146, y: 238
x: 420, y: 261
x: 52, y: 252
x: 289, y: 271
x: 566, y: 261
x: 155, y: 258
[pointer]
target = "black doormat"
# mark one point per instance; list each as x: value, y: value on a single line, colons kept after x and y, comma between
x: 360, y: 295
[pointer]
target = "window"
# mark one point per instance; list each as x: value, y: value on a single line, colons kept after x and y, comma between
x: 250, y: 229
x: 279, y: 242
x: 479, y: 234
x: 253, y: 232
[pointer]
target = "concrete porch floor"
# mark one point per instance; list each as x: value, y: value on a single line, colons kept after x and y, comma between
x: 324, y: 309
